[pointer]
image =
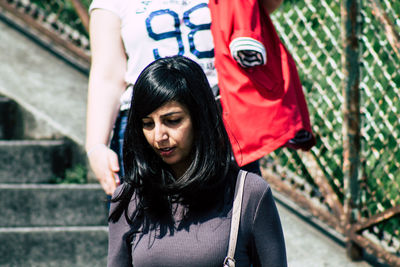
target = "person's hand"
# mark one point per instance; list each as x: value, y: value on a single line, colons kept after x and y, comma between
x: 104, y: 163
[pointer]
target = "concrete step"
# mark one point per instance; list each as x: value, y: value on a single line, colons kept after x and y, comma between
x: 32, y: 205
x: 53, y: 246
x: 33, y: 161
x: 7, y: 118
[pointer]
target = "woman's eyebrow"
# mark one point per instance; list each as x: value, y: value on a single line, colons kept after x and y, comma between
x: 171, y: 113
x: 166, y: 114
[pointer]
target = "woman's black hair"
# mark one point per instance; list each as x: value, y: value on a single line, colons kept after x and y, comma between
x: 212, y: 171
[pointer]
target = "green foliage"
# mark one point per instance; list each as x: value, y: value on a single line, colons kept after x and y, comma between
x: 311, y: 31
x: 64, y: 11
x: 74, y: 175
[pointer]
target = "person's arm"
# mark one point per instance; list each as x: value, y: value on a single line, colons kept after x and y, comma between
x: 271, y: 5
x: 267, y: 233
x: 248, y: 51
x: 106, y: 85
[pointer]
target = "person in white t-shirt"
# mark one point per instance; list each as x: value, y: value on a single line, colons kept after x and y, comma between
x: 125, y: 37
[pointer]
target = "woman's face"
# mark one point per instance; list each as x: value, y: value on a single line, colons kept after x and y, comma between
x: 169, y: 132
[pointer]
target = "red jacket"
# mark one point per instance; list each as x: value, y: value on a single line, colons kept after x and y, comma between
x: 263, y: 106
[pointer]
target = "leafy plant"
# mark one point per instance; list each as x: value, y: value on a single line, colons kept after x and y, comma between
x: 74, y: 175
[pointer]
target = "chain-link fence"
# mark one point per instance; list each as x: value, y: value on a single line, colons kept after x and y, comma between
x: 63, y: 11
x: 312, y: 31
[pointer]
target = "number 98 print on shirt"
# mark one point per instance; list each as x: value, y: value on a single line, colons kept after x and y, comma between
x: 159, y: 28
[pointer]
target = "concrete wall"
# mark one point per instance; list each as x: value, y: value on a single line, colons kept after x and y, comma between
x: 50, y: 91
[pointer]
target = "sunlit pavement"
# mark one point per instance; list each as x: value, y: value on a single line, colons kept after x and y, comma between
x: 306, y: 246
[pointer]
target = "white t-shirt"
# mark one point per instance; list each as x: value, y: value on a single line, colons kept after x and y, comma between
x: 158, y: 28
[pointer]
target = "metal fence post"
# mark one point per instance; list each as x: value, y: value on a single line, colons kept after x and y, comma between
x: 82, y: 12
x: 350, y: 24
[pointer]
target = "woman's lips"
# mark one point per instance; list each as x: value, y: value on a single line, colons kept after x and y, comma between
x: 166, y: 152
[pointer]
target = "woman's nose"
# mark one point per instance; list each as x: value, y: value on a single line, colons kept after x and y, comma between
x: 160, y: 133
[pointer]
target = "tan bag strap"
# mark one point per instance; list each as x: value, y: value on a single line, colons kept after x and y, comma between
x: 236, y: 211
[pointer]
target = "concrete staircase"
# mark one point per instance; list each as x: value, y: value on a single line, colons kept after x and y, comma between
x: 42, y: 223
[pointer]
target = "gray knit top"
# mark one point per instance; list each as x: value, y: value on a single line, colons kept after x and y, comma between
x: 203, y: 240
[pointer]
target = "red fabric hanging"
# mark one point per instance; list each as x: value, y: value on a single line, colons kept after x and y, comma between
x: 263, y: 106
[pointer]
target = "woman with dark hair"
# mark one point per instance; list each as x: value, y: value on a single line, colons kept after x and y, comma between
x: 175, y: 205
x: 126, y: 36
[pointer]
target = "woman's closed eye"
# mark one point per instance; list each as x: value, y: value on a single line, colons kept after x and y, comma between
x: 173, y: 121
x: 147, y: 124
